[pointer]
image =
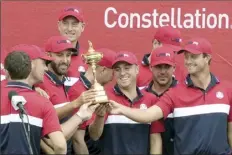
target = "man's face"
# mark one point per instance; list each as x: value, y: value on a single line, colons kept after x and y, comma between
x: 125, y: 74
x: 156, y: 44
x: 195, y: 62
x: 62, y: 62
x: 104, y: 75
x: 39, y: 68
x: 71, y: 28
x: 162, y: 74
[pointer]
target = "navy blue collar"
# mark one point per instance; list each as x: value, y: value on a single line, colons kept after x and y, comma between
x: 214, y: 81
x: 149, y: 87
x: 85, y: 81
x: 145, y: 60
x: 120, y: 93
x: 78, y: 49
x: 54, y: 78
x: 19, y: 85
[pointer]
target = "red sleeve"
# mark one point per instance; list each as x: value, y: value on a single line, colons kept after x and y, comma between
x: 50, y: 119
x: 75, y: 91
x: 157, y: 127
x: 166, y: 103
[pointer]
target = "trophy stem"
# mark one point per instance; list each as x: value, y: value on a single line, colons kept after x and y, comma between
x: 94, y: 71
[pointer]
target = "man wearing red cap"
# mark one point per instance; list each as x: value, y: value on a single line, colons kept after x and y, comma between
x: 121, y: 135
x: 162, y: 66
x: 60, y: 48
x: 168, y: 36
x: 201, y: 106
x: 26, y: 65
x: 104, y: 74
x: 71, y: 24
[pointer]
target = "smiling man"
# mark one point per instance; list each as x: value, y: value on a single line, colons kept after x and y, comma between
x: 71, y: 25
x: 201, y: 106
x: 121, y: 135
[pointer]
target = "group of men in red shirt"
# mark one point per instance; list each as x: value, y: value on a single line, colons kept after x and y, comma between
x: 194, y: 103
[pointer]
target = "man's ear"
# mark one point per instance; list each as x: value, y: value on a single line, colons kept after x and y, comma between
x: 83, y: 27
x: 137, y: 69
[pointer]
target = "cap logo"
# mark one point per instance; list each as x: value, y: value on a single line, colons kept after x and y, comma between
x: 63, y: 41
x: 72, y: 9
x: 193, y: 42
x: 163, y: 55
x: 177, y: 40
x: 123, y: 55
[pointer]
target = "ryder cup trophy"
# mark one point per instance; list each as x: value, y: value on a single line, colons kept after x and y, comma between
x: 92, y: 57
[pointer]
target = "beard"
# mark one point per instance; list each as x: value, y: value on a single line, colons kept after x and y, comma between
x: 163, y: 83
x: 55, y: 68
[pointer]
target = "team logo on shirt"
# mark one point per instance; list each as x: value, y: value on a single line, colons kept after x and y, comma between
x: 143, y: 106
x: 219, y: 95
x: 81, y: 69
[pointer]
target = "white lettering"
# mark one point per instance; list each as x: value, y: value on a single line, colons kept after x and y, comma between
x: 136, y: 17
x: 106, y: 17
x: 200, y: 19
x: 145, y: 19
x: 123, y: 20
x: 164, y: 19
x: 211, y: 19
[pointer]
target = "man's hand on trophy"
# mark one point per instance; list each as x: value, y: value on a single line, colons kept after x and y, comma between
x: 86, y: 110
x: 101, y: 110
x: 85, y: 97
x: 114, y: 107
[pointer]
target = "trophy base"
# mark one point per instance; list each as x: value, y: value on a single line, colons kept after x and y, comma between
x: 101, y: 100
x: 101, y: 96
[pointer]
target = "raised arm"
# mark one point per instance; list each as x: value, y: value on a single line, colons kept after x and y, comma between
x: 161, y: 109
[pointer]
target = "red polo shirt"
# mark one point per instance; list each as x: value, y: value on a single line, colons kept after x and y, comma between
x: 42, y: 118
x: 75, y: 91
x: 55, y: 89
x: 58, y: 96
x: 122, y: 135
x: 200, y: 116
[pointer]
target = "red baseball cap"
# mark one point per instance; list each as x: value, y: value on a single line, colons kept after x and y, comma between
x: 197, y: 46
x: 33, y: 51
x: 163, y: 55
x: 72, y: 11
x: 125, y: 56
x: 58, y: 44
x: 170, y: 36
x: 108, y: 57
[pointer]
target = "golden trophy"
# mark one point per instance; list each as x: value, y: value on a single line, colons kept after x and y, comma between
x: 92, y: 57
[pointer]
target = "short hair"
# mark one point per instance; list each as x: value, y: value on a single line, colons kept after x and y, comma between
x: 205, y: 55
x: 18, y: 65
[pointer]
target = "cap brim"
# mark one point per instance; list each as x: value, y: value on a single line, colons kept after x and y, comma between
x: 47, y: 58
x: 163, y: 62
x: 122, y: 60
x: 189, y: 50
x: 174, y: 47
x: 73, y: 14
x: 63, y: 49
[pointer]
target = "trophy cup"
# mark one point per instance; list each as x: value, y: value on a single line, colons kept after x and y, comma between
x: 92, y: 57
